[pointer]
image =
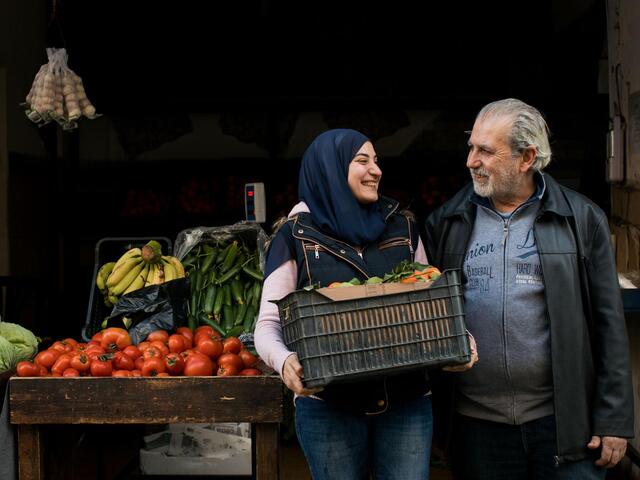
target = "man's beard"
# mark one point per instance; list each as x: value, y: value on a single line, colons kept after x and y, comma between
x: 501, y: 183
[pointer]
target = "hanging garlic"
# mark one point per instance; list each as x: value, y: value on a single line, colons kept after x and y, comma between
x: 58, y: 94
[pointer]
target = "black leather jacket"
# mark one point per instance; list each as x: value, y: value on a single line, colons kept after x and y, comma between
x: 589, y: 346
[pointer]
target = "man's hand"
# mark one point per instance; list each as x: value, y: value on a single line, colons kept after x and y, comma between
x: 292, y: 376
x: 613, y: 449
x: 470, y: 363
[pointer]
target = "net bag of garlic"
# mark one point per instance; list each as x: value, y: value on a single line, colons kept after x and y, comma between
x: 57, y: 94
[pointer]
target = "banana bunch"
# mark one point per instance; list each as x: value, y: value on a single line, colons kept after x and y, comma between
x: 137, y: 268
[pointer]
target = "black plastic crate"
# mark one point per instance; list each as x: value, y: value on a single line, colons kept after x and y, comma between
x: 110, y: 249
x: 350, y: 340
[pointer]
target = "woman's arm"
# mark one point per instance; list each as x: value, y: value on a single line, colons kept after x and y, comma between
x: 268, y: 332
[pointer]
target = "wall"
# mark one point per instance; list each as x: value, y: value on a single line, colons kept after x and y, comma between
x: 4, y: 177
x: 624, y: 87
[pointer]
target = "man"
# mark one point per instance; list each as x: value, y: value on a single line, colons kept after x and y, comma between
x: 551, y: 396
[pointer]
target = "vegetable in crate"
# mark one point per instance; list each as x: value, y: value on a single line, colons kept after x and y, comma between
x: 135, y: 269
x: 226, y: 281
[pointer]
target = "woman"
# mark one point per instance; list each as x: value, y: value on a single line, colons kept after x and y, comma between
x: 343, y: 229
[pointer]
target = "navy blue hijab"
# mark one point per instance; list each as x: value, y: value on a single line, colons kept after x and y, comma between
x: 323, y: 186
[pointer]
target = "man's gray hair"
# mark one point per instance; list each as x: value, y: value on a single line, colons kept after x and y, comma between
x: 528, y: 128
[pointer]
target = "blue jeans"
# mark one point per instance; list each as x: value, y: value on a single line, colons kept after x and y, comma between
x: 484, y: 450
x: 339, y: 444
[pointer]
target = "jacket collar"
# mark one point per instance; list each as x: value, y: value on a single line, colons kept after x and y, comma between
x: 553, y: 199
x: 388, y: 206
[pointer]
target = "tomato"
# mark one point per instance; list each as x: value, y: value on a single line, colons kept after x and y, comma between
x: 138, y: 363
x: 122, y: 361
x: 97, y: 337
x: 142, y: 346
x: 71, y: 372
x: 232, y: 345
x: 81, y: 347
x: 27, y: 368
x: 162, y: 346
x: 198, y: 365
x: 211, y: 346
x: 227, y: 371
x: 100, y: 367
x: 186, y: 353
x: 230, y: 359
x: 47, y: 358
x: 115, y: 338
x: 204, y: 330
x: 94, y: 351
x: 53, y: 374
x: 132, y: 352
x: 136, y: 373
x: 152, y: 352
x: 158, y: 335
x: 61, y: 347
x: 72, y: 342
x: 81, y: 362
x: 152, y: 367
x: 163, y: 374
x: 174, y: 364
x: 250, y: 372
x: 248, y: 358
x: 208, y: 329
x: 121, y: 373
x: 177, y: 343
x: 186, y: 333
x: 62, y: 363
x: 43, y: 371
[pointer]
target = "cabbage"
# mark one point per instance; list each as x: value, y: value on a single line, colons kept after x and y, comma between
x: 7, y: 355
x: 24, y: 342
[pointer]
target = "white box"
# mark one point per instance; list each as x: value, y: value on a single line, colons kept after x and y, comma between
x: 198, y: 449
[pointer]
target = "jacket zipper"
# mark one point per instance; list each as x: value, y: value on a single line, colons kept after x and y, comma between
x: 411, y: 252
x: 556, y: 458
x: 316, y: 249
x: 395, y: 242
x: 336, y: 255
x: 332, y: 238
x: 505, y: 234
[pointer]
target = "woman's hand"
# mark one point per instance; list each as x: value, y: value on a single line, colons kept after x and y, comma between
x: 292, y: 376
x: 470, y: 363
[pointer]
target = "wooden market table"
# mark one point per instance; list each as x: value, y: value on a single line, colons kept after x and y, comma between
x: 38, y: 402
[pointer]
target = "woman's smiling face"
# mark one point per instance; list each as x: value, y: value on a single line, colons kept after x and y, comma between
x: 364, y: 174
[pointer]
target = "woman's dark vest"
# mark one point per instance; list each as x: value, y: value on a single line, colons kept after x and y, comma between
x: 322, y: 260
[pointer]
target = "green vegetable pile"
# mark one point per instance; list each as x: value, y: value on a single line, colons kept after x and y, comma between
x: 226, y: 284
x: 16, y: 344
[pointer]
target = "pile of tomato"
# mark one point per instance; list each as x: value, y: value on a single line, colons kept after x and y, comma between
x: 110, y: 353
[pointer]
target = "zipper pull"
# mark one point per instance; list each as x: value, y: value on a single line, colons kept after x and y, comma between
x: 410, y: 247
x: 317, y: 248
x: 505, y: 233
x: 359, y: 252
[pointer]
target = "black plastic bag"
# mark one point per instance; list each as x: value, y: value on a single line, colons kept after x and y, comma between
x: 152, y: 308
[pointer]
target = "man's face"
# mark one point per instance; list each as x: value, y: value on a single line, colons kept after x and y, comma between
x: 495, y: 172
